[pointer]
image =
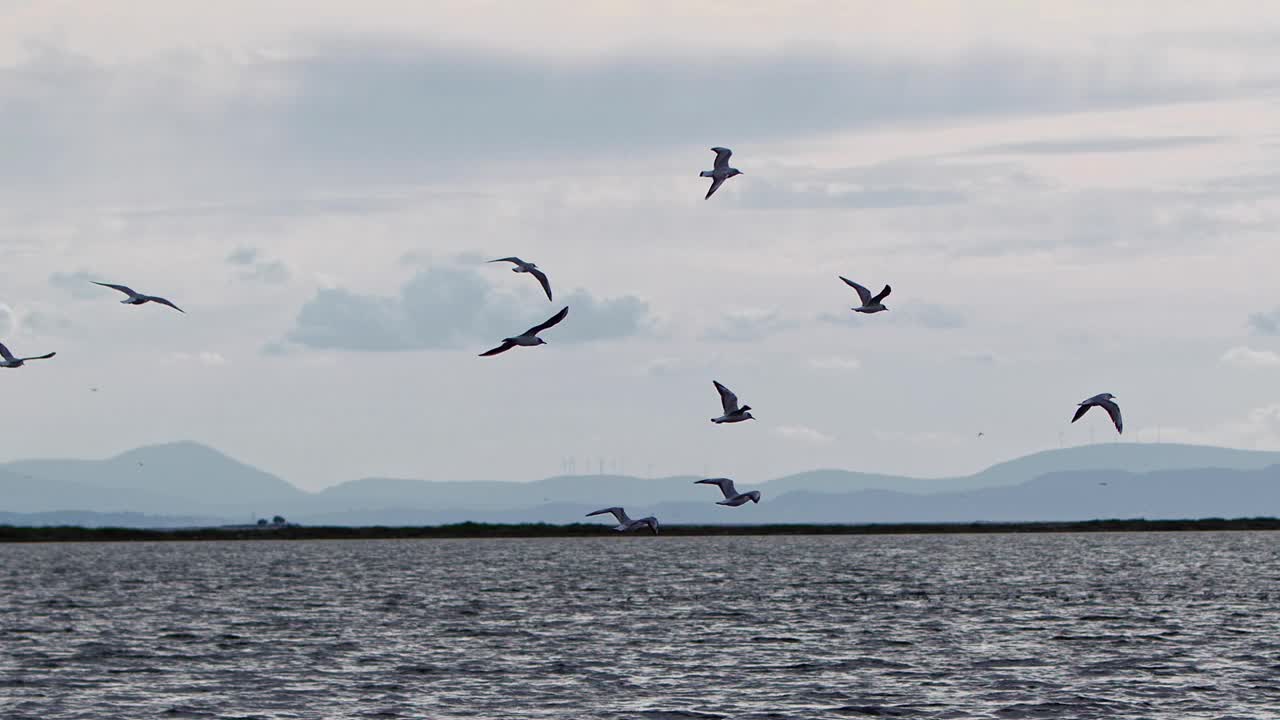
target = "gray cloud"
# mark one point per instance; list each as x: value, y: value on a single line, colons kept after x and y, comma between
x: 746, y: 326
x: 255, y: 269
x: 776, y: 195
x: 922, y: 315
x: 1098, y: 145
x: 243, y: 256
x: 449, y: 307
x: 1266, y: 323
x: 78, y: 283
x: 311, y: 120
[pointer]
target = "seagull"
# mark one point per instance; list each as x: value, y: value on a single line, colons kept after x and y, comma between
x: 721, y: 172
x: 10, y: 361
x: 732, y: 497
x: 869, y: 304
x: 625, y: 523
x: 732, y: 413
x: 528, y: 267
x: 136, y: 298
x: 1106, y: 401
x: 529, y: 337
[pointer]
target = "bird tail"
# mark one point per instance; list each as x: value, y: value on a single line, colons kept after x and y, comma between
x: 706, y: 173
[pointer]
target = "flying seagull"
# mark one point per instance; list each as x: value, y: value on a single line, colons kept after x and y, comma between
x: 732, y: 497
x: 136, y: 298
x: 721, y: 171
x: 529, y: 337
x: 869, y: 304
x: 625, y: 523
x: 10, y: 361
x: 729, y: 401
x: 528, y: 267
x: 1106, y: 401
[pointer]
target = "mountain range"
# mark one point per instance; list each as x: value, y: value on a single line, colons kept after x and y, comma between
x: 185, y: 483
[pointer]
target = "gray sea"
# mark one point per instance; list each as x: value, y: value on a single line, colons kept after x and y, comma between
x: 1178, y: 625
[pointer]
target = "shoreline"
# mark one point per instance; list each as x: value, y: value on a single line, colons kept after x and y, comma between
x: 21, y: 534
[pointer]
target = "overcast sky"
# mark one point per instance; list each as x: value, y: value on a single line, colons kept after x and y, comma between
x: 1067, y: 198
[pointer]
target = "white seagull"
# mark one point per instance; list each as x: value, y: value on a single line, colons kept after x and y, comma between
x: 729, y: 401
x: 732, y: 497
x: 1106, y: 401
x: 721, y: 171
x: 136, y: 298
x: 528, y: 267
x: 625, y: 523
x: 9, y: 361
x: 529, y: 337
x: 869, y: 304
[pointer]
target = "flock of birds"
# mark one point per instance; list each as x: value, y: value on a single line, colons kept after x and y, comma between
x: 732, y: 412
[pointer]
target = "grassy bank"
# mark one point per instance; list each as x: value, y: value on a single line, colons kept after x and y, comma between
x: 10, y: 533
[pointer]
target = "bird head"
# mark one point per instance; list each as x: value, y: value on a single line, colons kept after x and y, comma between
x: 755, y: 496
x: 539, y: 341
x: 1108, y: 396
x: 734, y: 171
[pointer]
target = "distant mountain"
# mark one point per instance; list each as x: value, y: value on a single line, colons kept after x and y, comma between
x: 178, y: 478
x: 196, y: 482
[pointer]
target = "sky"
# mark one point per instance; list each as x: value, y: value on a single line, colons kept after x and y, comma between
x: 1067, y: 199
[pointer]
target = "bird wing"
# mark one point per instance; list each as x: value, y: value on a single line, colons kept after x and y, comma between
x: 618, y: 513
x: 162, y: 301
x: 715, y: 185
x: 551, y: 322
x: 1114, y: 411
x: 40, y: 357
x: 4, y: 353
x: 726, y: 486
x: 863, y: 294
x: 1080, y: 411
x: 722, y: 157
x: 515, y: 260
x: 883, y: 294
x: 728, y: 400
x: 505, y: 346
x: 126, y: 290
x: 542, y: 278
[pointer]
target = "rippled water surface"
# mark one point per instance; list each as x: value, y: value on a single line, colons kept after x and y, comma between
x: 1180, y: 625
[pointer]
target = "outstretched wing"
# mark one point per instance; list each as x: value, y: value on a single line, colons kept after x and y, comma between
x: 162, y: 301
x: 618, y: 513
x: 515, y: 260
x: 542, y: 278
x: 863, y: 294
x: 1114, y: 411
x: 1080, y: 411
x: 505, y: 346
x: 551, y: 322
x: 722, y: 157
x: 40, y: 357
x: 126, y: 290
x: 726, y: 486
x: 728, y: 400
x: 4, y: 353
x: 715, y: 185
x: 883, y: 294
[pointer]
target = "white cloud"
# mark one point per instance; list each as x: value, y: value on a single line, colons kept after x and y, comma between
x: 1246, y: 357
x: 803, y: 434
